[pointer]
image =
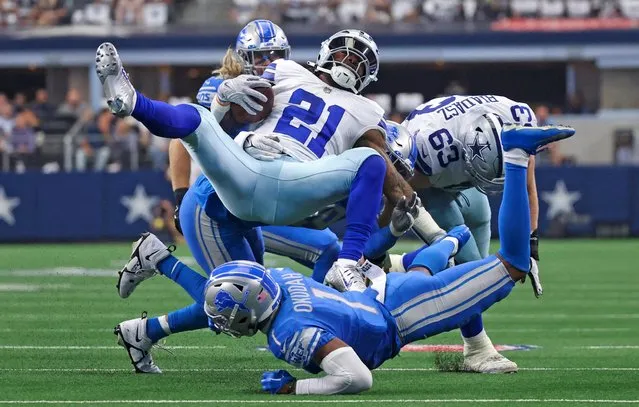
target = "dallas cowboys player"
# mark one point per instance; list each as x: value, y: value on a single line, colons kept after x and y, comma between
x: 459, y: 158
x: 347, y: 63
x: 214, y: 235
x: 348, y: 334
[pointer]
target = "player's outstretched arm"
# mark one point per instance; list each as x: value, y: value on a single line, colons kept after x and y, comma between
x: 396, y: 187
x: 345, y: 374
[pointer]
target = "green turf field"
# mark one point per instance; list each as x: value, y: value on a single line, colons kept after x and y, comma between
x: 59, y: 306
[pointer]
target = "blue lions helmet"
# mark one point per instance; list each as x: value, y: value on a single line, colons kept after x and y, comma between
x: 261, y: 40
x: 240, y: 297
x: 483, y: 155
x: 401, y: 148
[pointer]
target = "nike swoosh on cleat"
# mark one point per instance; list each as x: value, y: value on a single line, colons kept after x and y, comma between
x: 137, y: 335
x: 149, y: 256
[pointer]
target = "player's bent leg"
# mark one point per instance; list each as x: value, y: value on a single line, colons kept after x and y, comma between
x: 212, y: 242
x: 477, y: 217
x: 424, y: 306
x: 315, y: 249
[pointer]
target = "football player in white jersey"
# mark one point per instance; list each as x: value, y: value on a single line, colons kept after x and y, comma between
x: 459, y: 159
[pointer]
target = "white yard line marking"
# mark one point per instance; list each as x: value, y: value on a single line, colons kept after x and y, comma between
x: 29, y: 288
x: 604, y: 347
x: 62, y: 272
x: 383, y: 369
x: 337, y: 400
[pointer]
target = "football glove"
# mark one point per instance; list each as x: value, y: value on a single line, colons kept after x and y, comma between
x: 404, y: 214
x: 275, y: 382
x: 179, y: 196
x: 534, y: 245
x: 535, y: 281
x: 264, y: 147
x: 241, y: 91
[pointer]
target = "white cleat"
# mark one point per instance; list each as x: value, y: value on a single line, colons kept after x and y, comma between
x: 489, y: 362
x: 119, y: 91
x: 345, y: 278
x: 148, y: 250
x: 132, y: 336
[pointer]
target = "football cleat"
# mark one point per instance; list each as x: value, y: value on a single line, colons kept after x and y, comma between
x: 148, y: 250
x: 532, y: 139
x: 489, y: 362
x: 119, y: 91
x: 132, y: 336
x: 345, y: 278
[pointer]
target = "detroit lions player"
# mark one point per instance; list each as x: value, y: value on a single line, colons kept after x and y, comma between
x: 347, y: 334
x: 213, y: 235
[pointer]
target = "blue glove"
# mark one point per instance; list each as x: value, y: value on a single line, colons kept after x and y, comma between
x: 273, y: 382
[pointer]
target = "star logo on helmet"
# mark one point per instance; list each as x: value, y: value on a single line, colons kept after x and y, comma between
x: 477, y: 149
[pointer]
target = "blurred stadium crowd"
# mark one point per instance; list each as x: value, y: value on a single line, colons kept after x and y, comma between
x: 416, y: 11
x: 37, y: 134
x: 157, y: 13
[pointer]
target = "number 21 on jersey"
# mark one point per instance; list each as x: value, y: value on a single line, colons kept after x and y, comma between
x: 304, y: 115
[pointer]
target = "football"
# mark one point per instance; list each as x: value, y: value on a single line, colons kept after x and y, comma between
x: 241, y: 116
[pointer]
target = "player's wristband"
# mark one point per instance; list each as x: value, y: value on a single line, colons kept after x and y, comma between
x: 179, y: 195
x: 534, y: 245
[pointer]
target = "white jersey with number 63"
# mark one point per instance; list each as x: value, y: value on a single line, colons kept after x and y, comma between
x: 440, y: 125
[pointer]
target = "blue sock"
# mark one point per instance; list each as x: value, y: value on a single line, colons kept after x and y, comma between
x: 188, y: 318
x: 189, y: 279
x: 408, y: 258
x: 434, y: 257
x: 514, y: 219
x: 325, y: 261
x: 379, y: 242
x: 154, y: 330
x: 363, y: 207
x: 165, y: 120
x: 473, y: 327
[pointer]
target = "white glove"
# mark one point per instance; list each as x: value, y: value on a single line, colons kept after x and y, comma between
x: 538, y: 290
x: 264, y: 147
x: 404, y: 214
x: 241, y: 91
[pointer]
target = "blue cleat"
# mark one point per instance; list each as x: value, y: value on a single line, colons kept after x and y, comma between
x: 461, y: 233
x: 531, y: 139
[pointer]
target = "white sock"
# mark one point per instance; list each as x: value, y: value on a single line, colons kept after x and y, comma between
x: 454, y: 241
x: 397, y: 265
x: 516, y: 156
x: 477, y: 344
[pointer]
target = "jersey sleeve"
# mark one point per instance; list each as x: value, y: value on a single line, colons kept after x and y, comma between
x: 298, y: 346
x: 207, y: 91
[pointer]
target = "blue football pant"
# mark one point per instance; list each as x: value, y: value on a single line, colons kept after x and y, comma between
x: 424, y: 305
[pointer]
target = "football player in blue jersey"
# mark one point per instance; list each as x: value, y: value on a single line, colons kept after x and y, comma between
x: 345, y: 335
x: 213, y: 235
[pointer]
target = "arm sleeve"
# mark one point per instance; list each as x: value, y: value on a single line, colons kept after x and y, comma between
x: 345, y: 374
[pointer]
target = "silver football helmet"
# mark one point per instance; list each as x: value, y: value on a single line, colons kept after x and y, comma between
x: 483, y: 154
x: 261, y: 39
x: 359, y: 64
x: 240, y: 297
x: 401, y: 148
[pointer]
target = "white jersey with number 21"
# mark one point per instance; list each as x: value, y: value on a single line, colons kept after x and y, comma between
x: 312, y: 118
x: 440, y: 125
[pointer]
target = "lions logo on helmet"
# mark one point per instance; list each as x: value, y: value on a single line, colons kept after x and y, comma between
x: 401, y: 148
x: 261, y: 39
x: 346, y: 73
x: 483, y: 156
x: 240, y: 297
